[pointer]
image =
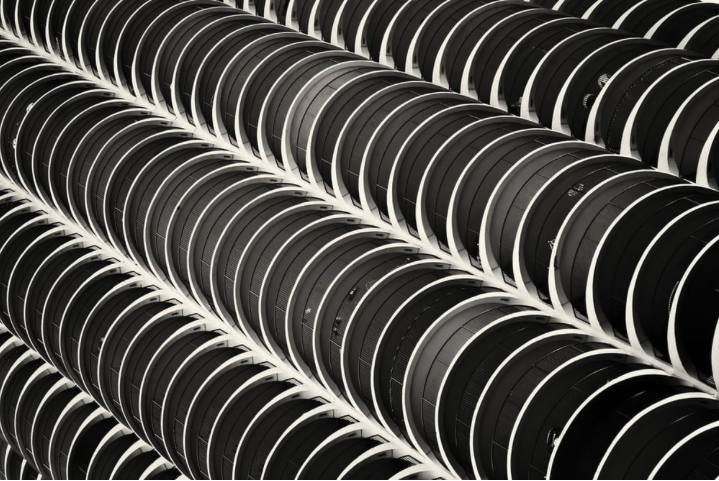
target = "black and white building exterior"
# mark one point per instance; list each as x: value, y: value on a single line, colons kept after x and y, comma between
x: 359, y: 239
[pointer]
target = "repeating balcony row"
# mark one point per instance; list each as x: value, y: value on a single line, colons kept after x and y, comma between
x: 210, y: 63
x: 684, y: 23
x: 595, y: 234
x: 53, y: 429
x: 369, y: 27
x: 13, y: 465
x: 633, y: 96
x: 190, y: 391
x: 495, y: 389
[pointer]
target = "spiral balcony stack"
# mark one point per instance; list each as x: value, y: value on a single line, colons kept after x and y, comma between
x: 359, y: 239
